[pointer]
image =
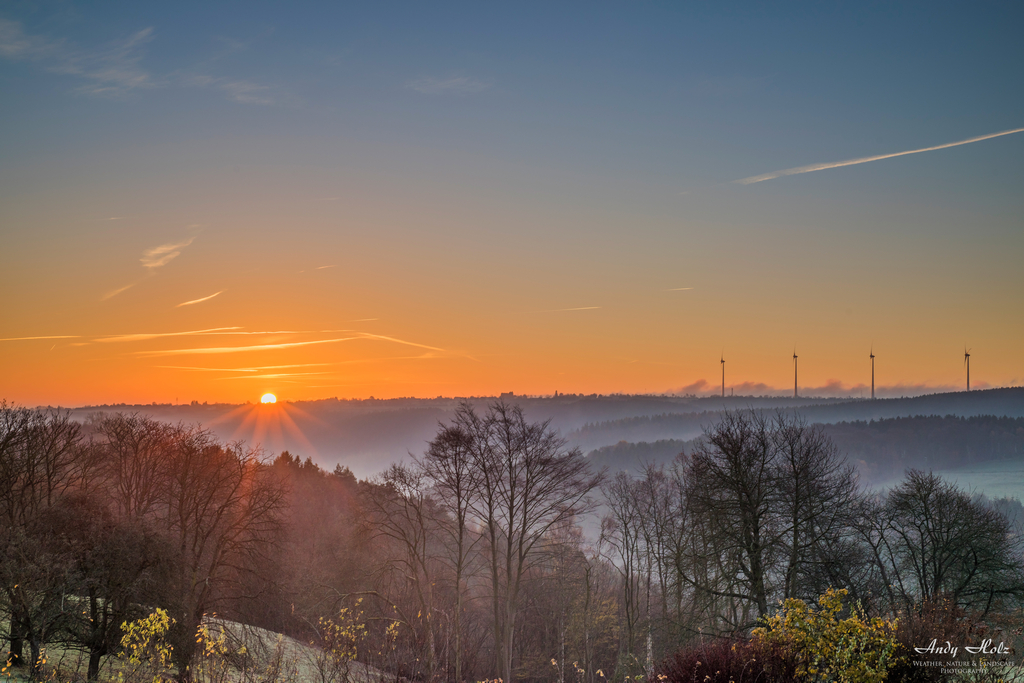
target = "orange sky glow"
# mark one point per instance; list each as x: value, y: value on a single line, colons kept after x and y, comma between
x: 491, y: 206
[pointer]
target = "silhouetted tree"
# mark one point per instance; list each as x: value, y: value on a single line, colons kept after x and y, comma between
x: 117, y: 566
x: 222, y: 513
x: 42, y: 460
x: 133, y: 451
x: 731, y: 489
x: 776, y: 501
x: 448, y: 465
x: 404, y: 516
x: 529, y: 482
x: 943, y: 543
x: 817, y: 494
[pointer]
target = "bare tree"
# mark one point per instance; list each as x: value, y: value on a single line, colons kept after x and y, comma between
x: 448, y: 463
x: 944, y: 543
x: 222, y: 511
x: 777, y: 501
x: 817, y: 495
x: 731, y: 487
x: 620, y: 529
x: 42, y: 461
x: 529, y: 482
x: 134, y: 449
x: 402, y: 511
x: 115, y: 566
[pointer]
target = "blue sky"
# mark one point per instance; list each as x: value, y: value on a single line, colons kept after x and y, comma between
x: 698, y: 91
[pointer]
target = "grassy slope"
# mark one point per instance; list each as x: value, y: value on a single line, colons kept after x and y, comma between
x: 267, y: 650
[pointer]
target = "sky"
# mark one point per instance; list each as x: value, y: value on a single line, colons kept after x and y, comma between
x: 210, y: 201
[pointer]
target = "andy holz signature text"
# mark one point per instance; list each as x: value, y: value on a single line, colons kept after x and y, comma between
x: 986, y: 648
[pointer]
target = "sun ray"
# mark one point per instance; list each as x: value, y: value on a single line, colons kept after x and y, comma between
x: 295, y: 431
x: 227, y: 417
x: 299, y: 412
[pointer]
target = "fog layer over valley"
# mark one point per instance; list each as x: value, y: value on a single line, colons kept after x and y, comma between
x: 620, y: 431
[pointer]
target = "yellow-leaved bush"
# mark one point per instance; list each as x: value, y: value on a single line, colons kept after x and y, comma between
x: 215, y: 654
x: 826, y: 648
x: 146, y: 654
x: 339, y: 643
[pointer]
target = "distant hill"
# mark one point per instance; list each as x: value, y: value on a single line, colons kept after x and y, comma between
x: 368, y: 435
x: 689, y: 424
x: 634, y: 456
x: 881, y: 450
x: 884, y: 449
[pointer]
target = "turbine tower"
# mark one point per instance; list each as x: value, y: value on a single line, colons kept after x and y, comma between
x: 872, y: 356
x: 723, y: 375
x: 967, y: 362
x: 794, y: 374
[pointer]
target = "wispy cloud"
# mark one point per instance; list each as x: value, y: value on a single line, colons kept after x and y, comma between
x: 324, y: 267
x: 214, y: 331
x: 115, y: 292
x: 157, y: 335
x: 246, y: 92
x: 250, y: 372
x: 241, y: 349
x: 581, y: 308
x: 283, y: 345
x: 277, y: 375
x: 57, y: 336
x: 237, y: 90
x: 367, y: 335
x: 145, y: 336
x: 679, y: 289
x: 453, y: 85
x: 157, y: 257
x: 259, y: 368
x: 863, y: 160
x: 199, y: 301
x: 115, y: 68
x: 110, y: 69
x: 16, y: 44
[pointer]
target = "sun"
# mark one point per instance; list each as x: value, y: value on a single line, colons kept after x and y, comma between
x: 268, y: 398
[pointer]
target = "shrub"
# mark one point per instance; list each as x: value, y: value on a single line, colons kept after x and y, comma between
x: 216, y: 657
x: 938, y: 619
x: 720, y: 660
x: 338, y: 645
x: 824, y: 647
x: 146, y: 656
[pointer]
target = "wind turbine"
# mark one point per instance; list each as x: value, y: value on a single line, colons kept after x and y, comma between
x: 872, y: 356
x: 723, y: 375
x: 967, y: 362
x: 794, y: 374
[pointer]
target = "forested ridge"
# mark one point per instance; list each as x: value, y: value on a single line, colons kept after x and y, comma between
x: 880, y: 449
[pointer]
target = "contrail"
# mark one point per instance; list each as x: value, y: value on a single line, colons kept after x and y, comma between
x: 863, y: 160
